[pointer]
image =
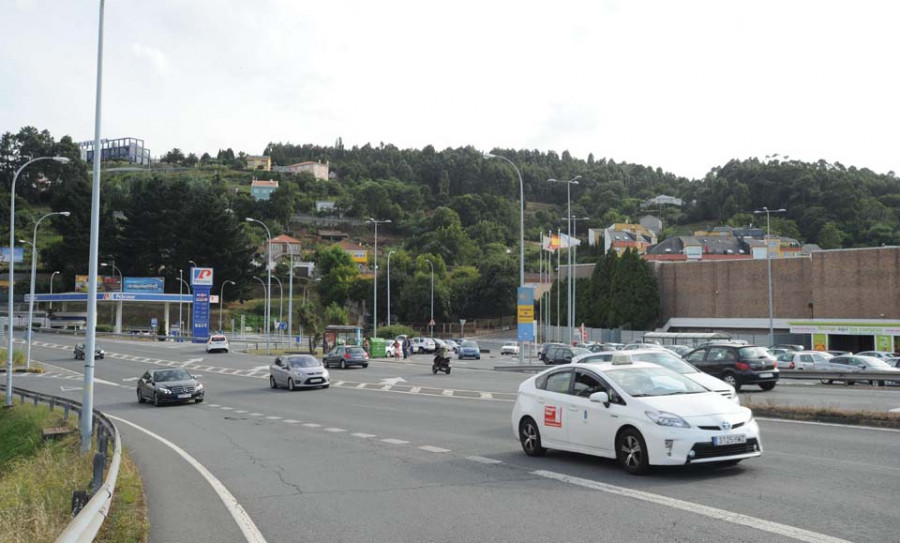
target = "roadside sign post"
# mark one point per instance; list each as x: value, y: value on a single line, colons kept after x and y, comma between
x: 462, y: 327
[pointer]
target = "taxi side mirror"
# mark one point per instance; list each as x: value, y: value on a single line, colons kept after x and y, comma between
x: 600, y: 397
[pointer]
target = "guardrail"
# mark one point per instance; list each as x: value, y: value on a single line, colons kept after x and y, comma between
x: 881, y: 376
x: 88, y: 520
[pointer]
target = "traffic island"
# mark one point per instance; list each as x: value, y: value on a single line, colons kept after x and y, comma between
x: 860, y: 417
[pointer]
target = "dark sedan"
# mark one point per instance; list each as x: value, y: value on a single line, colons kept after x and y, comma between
x: 169, y: 386
x: 99, y: 353
x: 346, y: 356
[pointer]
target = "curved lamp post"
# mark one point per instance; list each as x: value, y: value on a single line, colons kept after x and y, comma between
x: 222, y: 302
x: 121, y: 289
x: 265, y: 311
x: 375, y: 281
x: 280, y: 304
x: 181, y: 292
x: 575, y: 267
x: 12, y: 239
x: 768, y: 211
x: 33, y: 278
x: 521, y: 235
x: 268, y: 275
x: 52, y: 275
x: 431, y: 322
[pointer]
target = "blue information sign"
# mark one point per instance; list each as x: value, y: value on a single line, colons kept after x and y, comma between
x: 525, y: 306
x: 201, y: 314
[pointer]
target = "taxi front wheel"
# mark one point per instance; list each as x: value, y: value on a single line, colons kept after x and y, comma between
x: 631, y: 451
x: 530, y: 437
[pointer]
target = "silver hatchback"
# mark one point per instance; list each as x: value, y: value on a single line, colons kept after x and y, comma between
x: 298, y: 371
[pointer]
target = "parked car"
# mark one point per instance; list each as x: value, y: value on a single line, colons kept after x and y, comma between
x: 452, y: 344
x: 633, y: 346
x: 638, y: 413
x: 217, y: 342
x: 788, y: 346
x: 469, y: 349
x: 680, y: 350
x: 801, y: 360
x: 509, y: 348
x: 856, y: 364
x: 737, y: 365
x: 99, y: 353
x: 563, y: 354
x: 298, y: 371
x: 614, y: 346
x: 169, y: 386
x: 667, y: 360
x: 422, y: 345
x: 346, y: 356
x: 778, y: 351
x: 883, y: 355
x: 542, y: 353
x: 893, y: 362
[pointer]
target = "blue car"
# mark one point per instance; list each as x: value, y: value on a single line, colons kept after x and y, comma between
x: 469, y: 349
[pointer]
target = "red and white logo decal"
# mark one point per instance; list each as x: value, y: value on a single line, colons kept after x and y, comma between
x: 202, y: 276
x: 552, y: 416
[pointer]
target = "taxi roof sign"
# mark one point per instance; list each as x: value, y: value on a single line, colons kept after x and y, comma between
x: 622, y: 359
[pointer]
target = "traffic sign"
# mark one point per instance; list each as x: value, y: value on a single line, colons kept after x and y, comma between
x: 431, y: 323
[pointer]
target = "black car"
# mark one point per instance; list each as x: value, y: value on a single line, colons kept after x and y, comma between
x: 562, y: 354
x: 99, y: 353
x: 346, y: 356
x: 542, y: 354
x: 737, y: 365
x: 169, y: 386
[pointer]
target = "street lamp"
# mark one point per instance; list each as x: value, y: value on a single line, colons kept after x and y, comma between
x: 768, y: 211
x: 12, y: 238
x: 268, y: 275
x: 389, y: 286
x: 290, y: 322
x: 375, y: 281
x: 222, y: 302
x: 52, y: 275
x: 181, y: 284
x: 280, y: 301
x: 121, y: 289
x: 431, y: 322
x: 265, y: 311
x: 33, y: 279
x: 521, y: 235
x: 571, y: 317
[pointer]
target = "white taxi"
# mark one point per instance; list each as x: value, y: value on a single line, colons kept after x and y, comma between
x: 639, y: 413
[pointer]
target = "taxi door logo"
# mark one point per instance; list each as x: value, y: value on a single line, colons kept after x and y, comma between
x: 552, y: 416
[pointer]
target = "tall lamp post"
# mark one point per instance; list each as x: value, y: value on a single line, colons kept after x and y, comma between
x: 575, y: 265
x: 222, y: 301
x: 280, y: 303
x: 290, y: 322
x: 268, y: 275
x: 52, y: 275
x: 121, y: 289
x: 33, y: 279
x: 389, y: 287
x: 265, y: 311
x: 431, y: 322
x: 521, y: 235
x: 768, y: 212
x: 375, y: 282
x: 181, y: 292
x: 571, y: 317
x: 12, y: 239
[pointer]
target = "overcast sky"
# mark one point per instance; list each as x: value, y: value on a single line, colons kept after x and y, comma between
x: 681, y: 85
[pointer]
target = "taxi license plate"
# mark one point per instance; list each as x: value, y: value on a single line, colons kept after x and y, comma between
x: 729, y: 440
x: 183, y: 396
x: 765, y: 375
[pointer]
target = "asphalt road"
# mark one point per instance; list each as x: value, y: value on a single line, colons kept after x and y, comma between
x: 395, y: 453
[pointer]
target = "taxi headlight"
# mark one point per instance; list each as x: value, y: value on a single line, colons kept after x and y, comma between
x: 667, y: 419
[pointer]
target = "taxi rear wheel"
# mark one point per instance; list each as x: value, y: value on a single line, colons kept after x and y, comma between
x: 530, y: 436
x: 631, y: 451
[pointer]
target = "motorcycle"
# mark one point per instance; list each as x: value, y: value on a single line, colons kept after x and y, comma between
x: 441, y: 363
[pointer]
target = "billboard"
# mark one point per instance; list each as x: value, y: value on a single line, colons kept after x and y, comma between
x: 201, y: 277
x: 150, y: 285
x: 105, y: 283
x: 18, y: 254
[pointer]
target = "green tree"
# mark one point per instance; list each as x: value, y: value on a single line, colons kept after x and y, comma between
x: 336, y: 314
x: 338, y: 272
x: 830, y: 236
x: 600, y: 291
x: 634, y: 300
x: 175, y: 156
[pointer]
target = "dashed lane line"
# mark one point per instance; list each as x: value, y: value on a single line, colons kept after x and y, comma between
x: 483, y: 460
x: 393, y: 441
x: 432, y: 448
x: 363, y: 435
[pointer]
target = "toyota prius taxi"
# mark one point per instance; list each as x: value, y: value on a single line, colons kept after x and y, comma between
x: 639, y: 413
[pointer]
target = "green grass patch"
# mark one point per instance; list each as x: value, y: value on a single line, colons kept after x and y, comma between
x: 861, y: 417
x: 127, y: 521
x: 37, y: 478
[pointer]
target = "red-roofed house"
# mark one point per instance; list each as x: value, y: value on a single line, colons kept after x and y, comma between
x: 284, y: 245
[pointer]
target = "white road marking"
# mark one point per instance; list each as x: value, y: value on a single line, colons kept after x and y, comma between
x: 68, y: 389
x: 848, y: 426
x: 364, y: 436
x: 240, y: 516
x: 710, y: 512
x: 415, y: 390
x: 393, y: 441
x: 392, y: 381
x: 487, y: 396
x: 256, y: 414
x: 102, y: 382
x: 335, y: 430
x: 431, y: 448
x: 274, y: 418
x: 240, y: 411
x: 361, y: 385
x: 227, y: 408
x: 483, y: 460
x: 130, y: 379
x: 446, y: 392
x: 291, y: 421
x: 214, y: 405
x: 312, y: 425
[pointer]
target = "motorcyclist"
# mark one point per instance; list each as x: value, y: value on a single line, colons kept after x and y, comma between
x: 441, y: 356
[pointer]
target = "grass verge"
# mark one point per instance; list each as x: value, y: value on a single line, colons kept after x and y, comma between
x: 37, y: 478
x: 127, y: 521
x: 861, y: 417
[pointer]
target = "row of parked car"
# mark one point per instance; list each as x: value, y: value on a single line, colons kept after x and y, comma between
x: 738, y: 363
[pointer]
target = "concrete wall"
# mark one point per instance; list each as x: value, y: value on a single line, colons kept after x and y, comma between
x: 847, y: 283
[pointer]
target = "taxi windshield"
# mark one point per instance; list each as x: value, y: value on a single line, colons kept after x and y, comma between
x: 666, y: 360
x: 642, y: 382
